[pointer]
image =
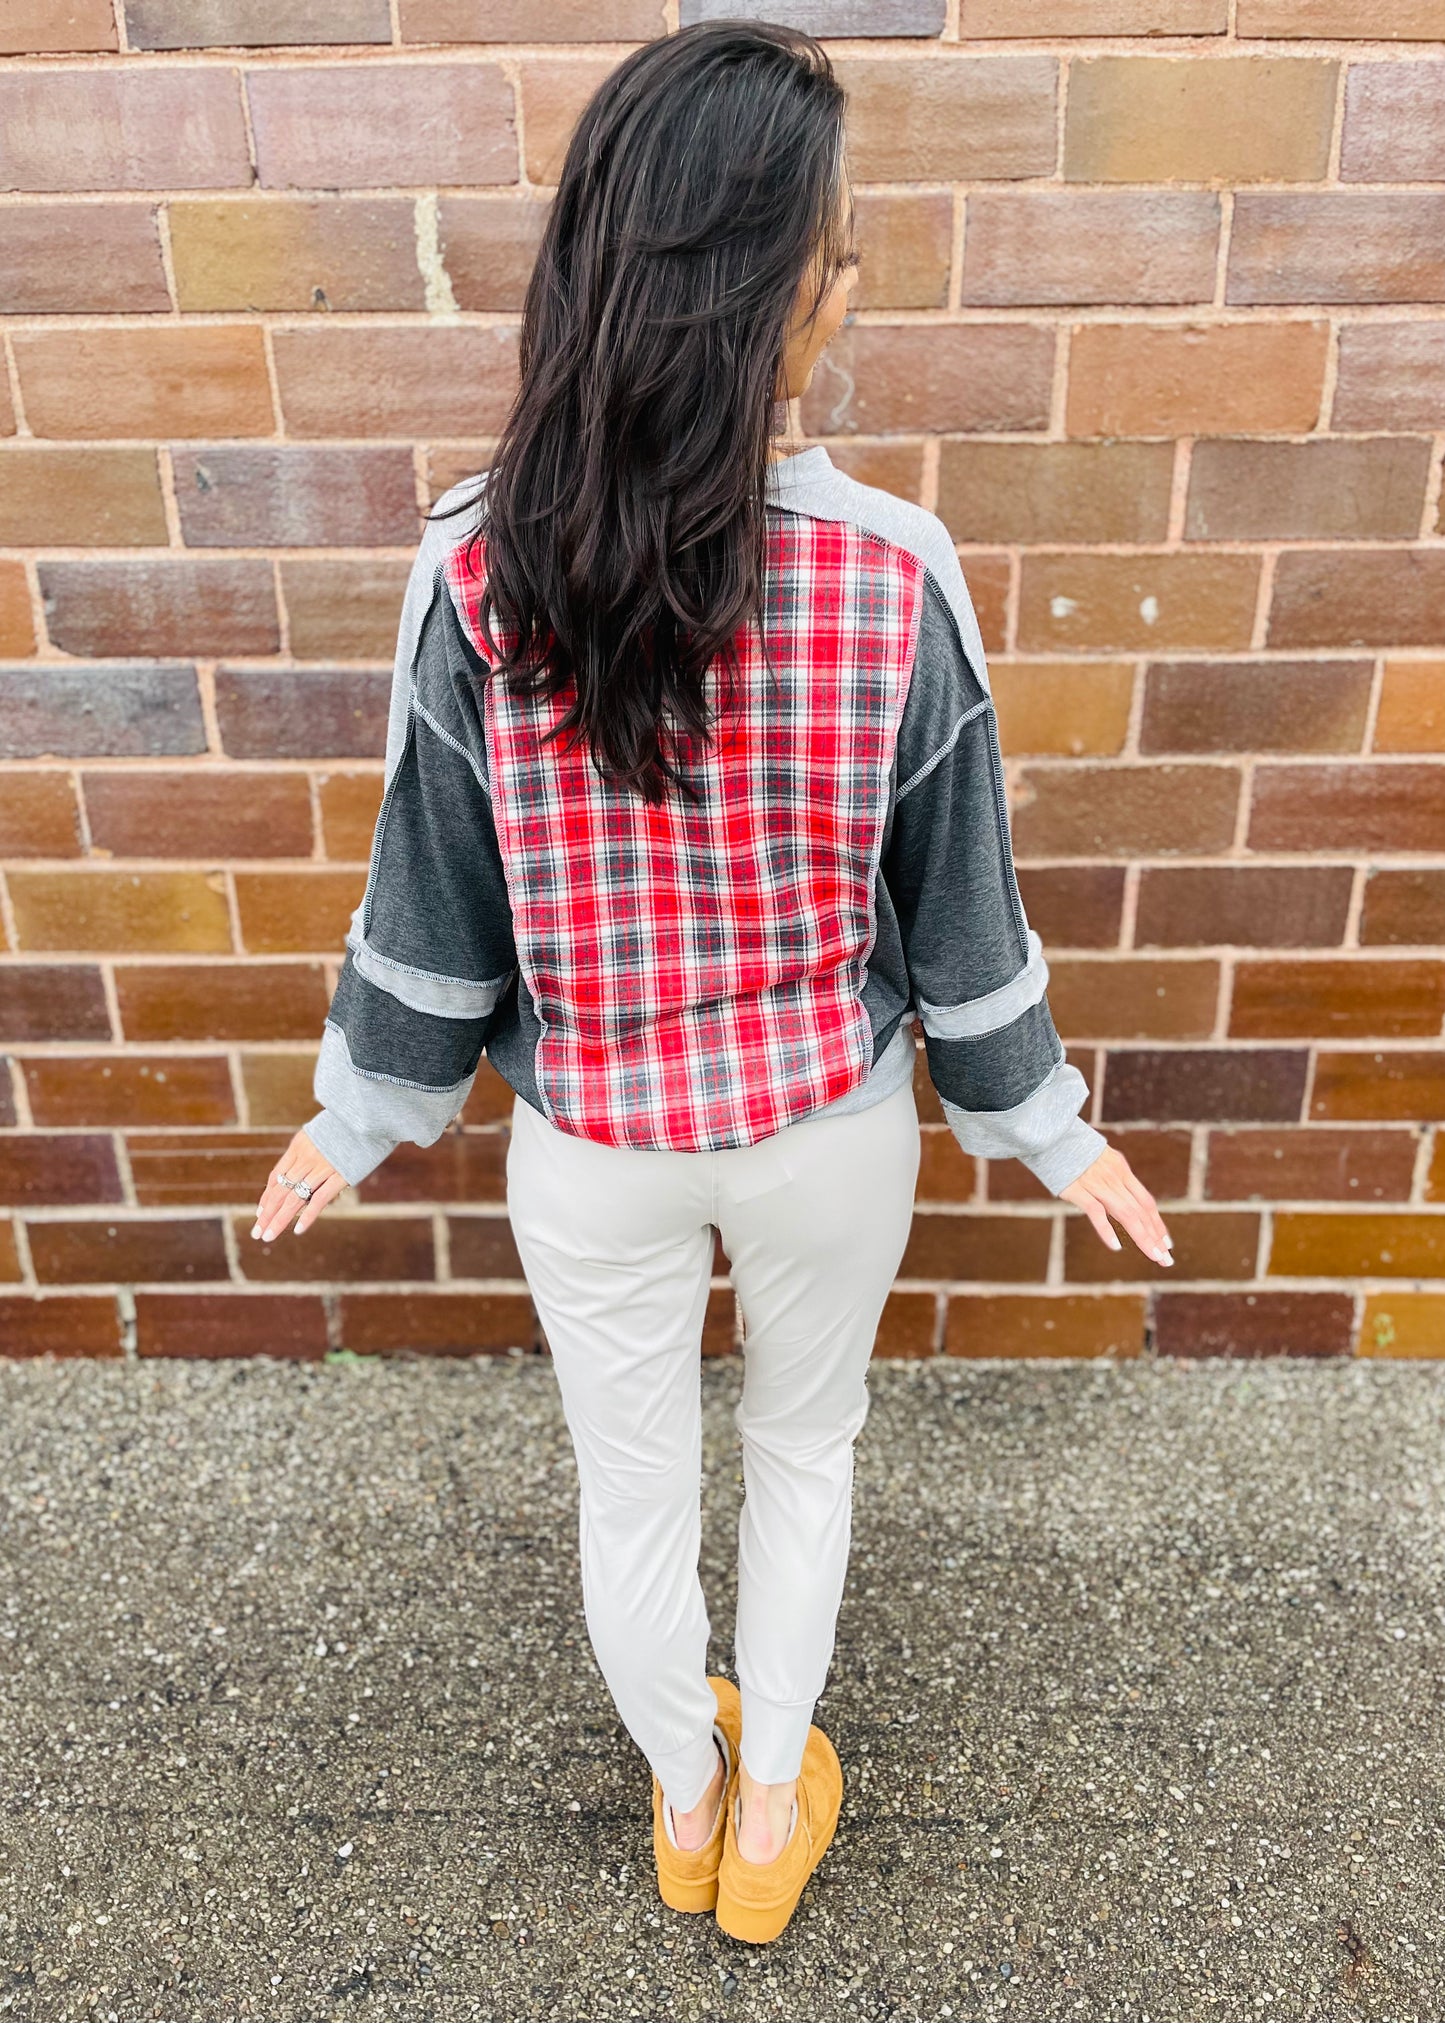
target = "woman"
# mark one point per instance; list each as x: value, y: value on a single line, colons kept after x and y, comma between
x: 693, y: 804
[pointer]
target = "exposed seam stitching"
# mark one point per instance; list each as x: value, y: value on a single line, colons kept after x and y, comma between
x: 400, y: 1081
x: 945, y: 748
x: 431, y: 975
x: 446, y: 737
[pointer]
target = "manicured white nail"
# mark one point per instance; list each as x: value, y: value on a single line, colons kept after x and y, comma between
x: 257, y: 1230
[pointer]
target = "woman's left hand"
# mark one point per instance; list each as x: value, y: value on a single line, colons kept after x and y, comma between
x: 1111, y: 1187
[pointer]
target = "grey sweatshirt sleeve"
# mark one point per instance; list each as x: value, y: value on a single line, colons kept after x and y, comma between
x: 976, y: 967
x: 429, y: 950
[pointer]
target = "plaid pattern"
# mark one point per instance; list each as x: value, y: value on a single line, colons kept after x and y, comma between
x: 697, y: 970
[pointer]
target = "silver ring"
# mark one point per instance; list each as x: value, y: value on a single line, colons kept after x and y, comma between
x: 282, y: 1181
x: 303, y: 1189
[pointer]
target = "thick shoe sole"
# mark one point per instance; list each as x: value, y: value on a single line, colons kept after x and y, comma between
x: 759, y: 1923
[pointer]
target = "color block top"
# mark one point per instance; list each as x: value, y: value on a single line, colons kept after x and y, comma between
x: 700, y: 975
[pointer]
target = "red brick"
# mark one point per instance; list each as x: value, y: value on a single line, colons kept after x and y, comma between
x: 1337, y: 246
x: 554, y: 91
x: 365, y: 125
x: 1074, y: 905
x: 1139, y: 379
x: 1045, y: 1324
x: 1403, y: 908
x: 1051, y: 492
x: 64, y: 1170
x: 522, y: 21
x: 118, y: 1089
x: 231, y: 814
x: 490, y: 1100
x: 1366, y: 1087
x: 10, y: 1267
x: 100, y: 712
x: 1206, y: 1085
x: 1363, y: 597
x: 1156, y: 600
x: 1357, y: 1246
x: 339, y: 1248
x: 74, y: 498
x: 462, y: 1166
x: 1133, y: 998
x: 482, y: 1246
x: 1118, y: 811
x: 77, y: 259
x: 949, y: 118
x: 176, y: 1169
x: 276, y: 252
x: 987, y: 1247
x: 400, y: 381
x: 1076, y: 246
x: 908, y: 1326
x: 1258, y: 905
x: 59, y: 1326
x: 38, y: 816
x: 1350, y: 808
x: 1391, y: 376
x: 1331, y: 491
x: 1345, y: 997
x: 945, y: 1171
x: 889, y: 461
x: 221, y: 1000
x: 119, y: 910
x: 179, y: 24
x: 265, y: 495
x: 126, y: 1251
x: 1403, y: 1324
x: 285, y: 912
x: 982, y: 18
x: 1219, y: 1243
x: 1394, y: 123
x: 437, y: 1323
x: 1411, y: 716
x: 1155, y: 119
x: 1384, y: 20
x: 988, y: 578
x: 52, y: 1001
x: 36, y: 27
x: 1253, y: 1324
x: 302, y: 712
x: 1255, y: 706
x: 169, y: 606
x: 1311, y: 1163
x: 123, y: 127
x: 292, y: 1325
x: 887, y: 379
x: 905, y: 240
x: 342, y: 607
x: 489, y: 246
x: 1159, y: 1158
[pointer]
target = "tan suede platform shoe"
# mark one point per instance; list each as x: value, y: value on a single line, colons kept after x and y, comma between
x: 687, y: 1877
x: 755, y: 1899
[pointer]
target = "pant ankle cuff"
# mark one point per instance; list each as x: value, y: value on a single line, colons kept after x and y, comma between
x: 774, y: 1734
x: 686, y: 1773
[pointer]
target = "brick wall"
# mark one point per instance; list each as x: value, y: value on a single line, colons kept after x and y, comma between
x: 1152, y: 312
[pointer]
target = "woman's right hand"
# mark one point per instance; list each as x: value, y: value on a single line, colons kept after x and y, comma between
x: 278, y: 1204
x: 1110, y: 1187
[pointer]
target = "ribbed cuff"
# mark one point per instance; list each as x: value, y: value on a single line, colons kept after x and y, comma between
x: 1070, y: 1155
x: 353, y: 1153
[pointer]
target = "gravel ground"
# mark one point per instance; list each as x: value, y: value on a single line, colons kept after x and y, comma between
x: 1137, y: 1691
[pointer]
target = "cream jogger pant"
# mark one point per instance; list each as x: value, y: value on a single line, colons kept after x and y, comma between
x: 617, y: 1245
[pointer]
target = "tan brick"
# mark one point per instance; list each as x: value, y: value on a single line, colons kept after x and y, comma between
x: 1411, y: 716
x: 882, y: 379
x: 1196, y: 379
x: 80, y: 498
x: 38, y: 816
x: 1391, y: 376
x: 344, y: 608
x: 285, y: 912
x: 201, y: 24
x: 1403, y: 1324
x: 1195, y: 119
x: 554, y: 91
x: 278, y: 1087
x: 120, y: 910
x: 276, y: 252
x: 889, y: 461
x: 282, y: 495
x: 489, y: 246
x: 1357, y: 1246
x: 1118, y: 811
x: 35, y: 27
x: 365, y: 125
x: 1255, y: 706
x: 11, y: 1271
x: 1063, y: 711
x: 1248, y: 905
x: 68, y: 259
x: 1344, y: 997
x: 1337, y: 246
x: 162, y: 380
x: 1394, y: 123
x: 1218, y: 1243
x: 1073, y: 602
x: 186, y: 814
x: 1382, y: 21
x: 1358, y: 597
x: 1052, y: 492
x: 524, y: 21
x: 905, y: 244
x: 1045, y: 1324
x: 1348, y: 808
x: 1320, y: 491
x: 289, y: 1325
x: 350, y: 804
x: 984, y: 18
x: 123, y: 127
x: 1309, y: 1163
x: 130, y: 1089
x: 17, y: 623
x: 1366, y: 1087
x: 221, y: 1000
x: 173, y: 605
x: 1404, y: 908
x: 398, y: 382
x: 1073, y: 246
x: 1133, y: 997
x: 948, y: 118
x: 7, y: 411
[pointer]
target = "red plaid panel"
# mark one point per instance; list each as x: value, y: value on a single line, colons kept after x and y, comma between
x: 697, y: 970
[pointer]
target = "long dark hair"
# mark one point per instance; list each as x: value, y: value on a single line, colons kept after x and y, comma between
x: 623, y: 514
